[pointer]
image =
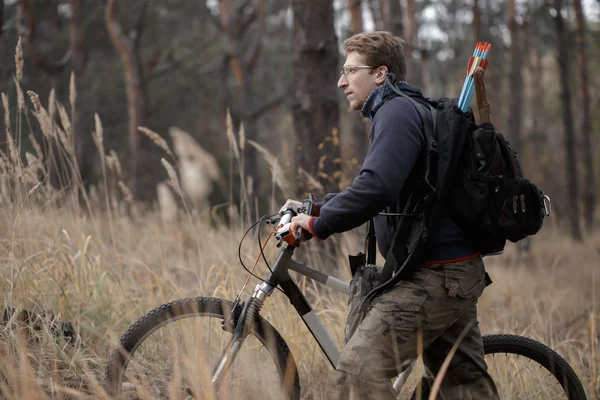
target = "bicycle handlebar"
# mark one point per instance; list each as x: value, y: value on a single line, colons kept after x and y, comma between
x: 283, y: 229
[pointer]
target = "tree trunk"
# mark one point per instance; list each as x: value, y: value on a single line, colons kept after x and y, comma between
x: 237, y: 20
x: 589, y: 188
x: 515, y: 78
x: 476, y: 22
x: 539, y: 111
x: 315, y: 112
x: 392, y: 16
x: 61, y: 172
x: 537, y: 133
x: 1, y: 17
x: 477, y: 38
x: 136, y: 102
x: 375, y: 7
x: 82, y: 141
x: 410, y: 30
x: 571, y: 167
x: 356, y: 20
x: 359, y: 137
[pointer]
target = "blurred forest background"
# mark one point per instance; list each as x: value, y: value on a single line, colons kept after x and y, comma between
x: 196, y: 108
x: 178, y: 67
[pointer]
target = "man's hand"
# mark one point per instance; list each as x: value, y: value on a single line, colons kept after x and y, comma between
x: 295, y: 204
x: 300, y: 221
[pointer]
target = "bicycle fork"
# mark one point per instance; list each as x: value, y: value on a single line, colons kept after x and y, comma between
x: 243, y: 327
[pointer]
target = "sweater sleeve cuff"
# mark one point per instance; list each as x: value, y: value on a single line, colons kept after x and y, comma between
x: 319, y: 229
x: 317, y: 207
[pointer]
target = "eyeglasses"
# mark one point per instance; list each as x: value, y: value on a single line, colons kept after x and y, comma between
x: 348, y: 69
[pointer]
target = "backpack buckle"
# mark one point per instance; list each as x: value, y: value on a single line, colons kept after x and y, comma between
x: 547, y: 205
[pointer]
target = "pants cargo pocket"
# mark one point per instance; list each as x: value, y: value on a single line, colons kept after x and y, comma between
x: 407, y: 295
x: 365, y: 279
x: 466, y: 279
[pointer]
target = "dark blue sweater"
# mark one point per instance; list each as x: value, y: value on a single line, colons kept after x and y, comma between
x: 396, y: 143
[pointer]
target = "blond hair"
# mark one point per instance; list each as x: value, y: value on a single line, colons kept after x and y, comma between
x: 379, y: 48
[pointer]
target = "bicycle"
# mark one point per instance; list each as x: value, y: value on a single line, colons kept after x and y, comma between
x: 203, y: 372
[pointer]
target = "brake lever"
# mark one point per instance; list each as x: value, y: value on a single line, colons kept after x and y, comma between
x: 308, y: 209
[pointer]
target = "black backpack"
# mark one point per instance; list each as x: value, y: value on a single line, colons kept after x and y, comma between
x: 490, y: 198
x: 478, y: 178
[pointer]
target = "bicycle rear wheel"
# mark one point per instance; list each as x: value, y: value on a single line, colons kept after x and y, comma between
x: 171, y: 352
x: 524, y: 369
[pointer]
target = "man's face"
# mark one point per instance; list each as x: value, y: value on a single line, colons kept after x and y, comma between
x: 360, y: 82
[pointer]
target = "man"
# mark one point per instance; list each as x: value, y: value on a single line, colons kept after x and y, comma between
x: 439, y: 301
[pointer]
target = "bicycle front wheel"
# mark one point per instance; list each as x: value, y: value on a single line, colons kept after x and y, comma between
x: 171, y: 353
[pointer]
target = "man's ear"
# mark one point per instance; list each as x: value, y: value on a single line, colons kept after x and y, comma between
x: 380, y: 74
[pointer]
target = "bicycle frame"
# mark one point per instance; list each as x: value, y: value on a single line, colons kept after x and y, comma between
x: 279, y: 276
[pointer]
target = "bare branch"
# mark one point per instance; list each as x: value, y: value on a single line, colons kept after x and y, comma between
x: 213, y: 19
x: 76, y: 36
x: 241, y: 6
x: 268, y: 105
x: 224, y: 90
x: 247, y: 21
x: 1, y: 17
x: 139, y: 27
x: 251, y: 55
x: 134, y: 87
x: 175, y: 65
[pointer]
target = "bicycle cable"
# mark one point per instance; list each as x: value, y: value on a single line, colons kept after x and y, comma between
x: 260, y: 246
x: 250, y: 272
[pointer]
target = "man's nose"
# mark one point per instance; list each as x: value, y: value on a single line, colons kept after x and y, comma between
x: 342, y: 82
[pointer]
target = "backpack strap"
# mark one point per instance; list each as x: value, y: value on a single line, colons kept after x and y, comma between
x: 414, y: 233
x: 431, y: 149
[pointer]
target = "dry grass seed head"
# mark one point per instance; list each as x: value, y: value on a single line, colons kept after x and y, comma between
x: 250, y: 185
x: 64, y: 120
x: 33, y: 165
x: 166, y: 202
x: 156, y: 138
x: 242, y: 137
x: 19, y: 59
x: 38, y: 149
x: 35, y: 100
x: 34, y: 189
x: 72, y: 91
x: 9, y: 138
x: 173, y: 179
x: 313, y: 183
x: 63, y: 139
x: 52, y: 103
x: 277, y: 173
x: 126, y: 192
x: 116, y: 162
x: 231, y: 136
x: 20, y: 95
x: 98, y: 135
x: 99, y: 129
x: 187, y: 147
x: 42, y: 115
x: 6, y: 162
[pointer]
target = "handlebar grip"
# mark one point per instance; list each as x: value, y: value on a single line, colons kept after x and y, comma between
x: 309, y: 205
x: 309, y: 208
x: 298, y: 235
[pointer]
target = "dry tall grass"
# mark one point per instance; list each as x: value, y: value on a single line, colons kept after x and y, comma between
x: 100, y: 263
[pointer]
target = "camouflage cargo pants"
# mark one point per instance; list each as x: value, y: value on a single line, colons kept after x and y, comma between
x: 438, y: 303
